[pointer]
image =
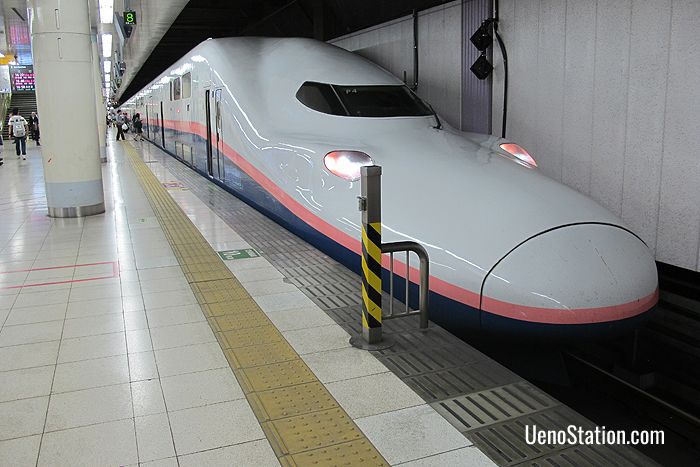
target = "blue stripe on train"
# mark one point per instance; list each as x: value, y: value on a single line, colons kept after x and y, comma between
x: 450, y: 314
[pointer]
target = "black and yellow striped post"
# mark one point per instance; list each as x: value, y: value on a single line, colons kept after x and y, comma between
x: 372, y: 254
x: 371, y: 207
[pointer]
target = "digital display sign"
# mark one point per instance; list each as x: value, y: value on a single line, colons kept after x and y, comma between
x: 22, y: 78
x: 129, y: 17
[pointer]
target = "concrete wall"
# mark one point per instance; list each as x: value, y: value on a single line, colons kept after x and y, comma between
x: 606, y: 95
x: 440, y: 54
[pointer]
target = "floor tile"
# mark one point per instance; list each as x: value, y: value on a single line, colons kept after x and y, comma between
x: 93, y: 325
x: 299, y: 318
x: 389, y: 393
x: 174, y: 315
x: 94, y: 307
x: 203, y: 388
x: 153, y: 437
x: 25, y: 299
x: 23, y: 417
x: 31, y: 333
x: 269, y: 287
x: 168, y: 462
x: 283, y: 301
x: 29, y: 382
x: 142, y: 366
x: 138, y: 341
x: 96, y: 292
x: 164, y: 285
x: 423, y: 433
x: 259, y: 274
x: 253, y: 453
x: 20, y: 452
x: 89, y: 406
x: 181, y: 334
x: 346, y: 363
x: 111, y: 444
x: 168, y: 299
x: 37, y: 314
x: 89, y: 347
x: 28, y: 356
x: 134, y: 320
x: 210, y: 426
x: 160, y: 273
x: 147, y: 397
x: 85, y: 374
x: 180, y: 360
x: 317, y: 339
x: 470, y: 456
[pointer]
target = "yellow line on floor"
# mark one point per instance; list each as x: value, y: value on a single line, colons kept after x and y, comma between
x: 303, y: 422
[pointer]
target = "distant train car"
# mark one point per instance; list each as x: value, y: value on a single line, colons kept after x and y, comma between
x: 286, y: 124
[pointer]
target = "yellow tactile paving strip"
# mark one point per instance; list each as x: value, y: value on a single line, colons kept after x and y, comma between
x: 303, y: 422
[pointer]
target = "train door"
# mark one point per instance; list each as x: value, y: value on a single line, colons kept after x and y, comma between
x: 207, y: 111
x: 162, y: 126
x: 219, y: 152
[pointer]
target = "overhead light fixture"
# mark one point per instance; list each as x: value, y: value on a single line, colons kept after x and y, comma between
x: 108, y: 79
x: 106, y: 45
x: 106, y: 11
x: 107, y: 66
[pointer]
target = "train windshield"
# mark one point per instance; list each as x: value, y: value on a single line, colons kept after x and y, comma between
x: 362, y: 101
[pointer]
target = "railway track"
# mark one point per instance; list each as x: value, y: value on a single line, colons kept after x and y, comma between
x: 654, y: 372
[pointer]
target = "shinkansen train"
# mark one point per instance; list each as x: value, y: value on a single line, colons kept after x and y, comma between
x: 286, y: 124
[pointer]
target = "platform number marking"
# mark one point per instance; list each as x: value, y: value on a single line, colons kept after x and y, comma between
x: 130, y: 17
x: 229, y: 255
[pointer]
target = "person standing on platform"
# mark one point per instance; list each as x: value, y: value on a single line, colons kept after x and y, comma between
x: 18, y: 131
x: 138, y: 127
x: 34, y: 128
x: 122, y: 124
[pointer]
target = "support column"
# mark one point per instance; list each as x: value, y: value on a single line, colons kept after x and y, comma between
x: 65, y: 91
x: 100, y: 108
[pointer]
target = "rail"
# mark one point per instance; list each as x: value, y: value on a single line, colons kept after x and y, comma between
x: 424, y: 280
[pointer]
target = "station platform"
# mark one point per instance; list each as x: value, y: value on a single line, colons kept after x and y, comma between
x: 182, y: 327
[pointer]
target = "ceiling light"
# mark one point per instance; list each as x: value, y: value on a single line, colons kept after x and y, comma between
x: 107, y: 66
x: 106, y: 11
x: 106, y: 45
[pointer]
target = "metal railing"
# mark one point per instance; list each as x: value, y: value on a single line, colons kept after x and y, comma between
x: 423, y: 285
x: 370, y: 204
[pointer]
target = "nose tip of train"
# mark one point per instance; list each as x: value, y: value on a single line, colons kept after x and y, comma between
x: 583, y: 280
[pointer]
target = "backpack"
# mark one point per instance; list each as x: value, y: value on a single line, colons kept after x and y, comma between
x: 17, y: 126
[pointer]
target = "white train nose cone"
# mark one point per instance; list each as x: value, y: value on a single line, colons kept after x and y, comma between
x: 580, y: 274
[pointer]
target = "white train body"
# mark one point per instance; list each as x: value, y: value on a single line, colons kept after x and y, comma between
x: 509, y: 247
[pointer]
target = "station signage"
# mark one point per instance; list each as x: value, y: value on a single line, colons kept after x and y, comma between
x: 22, y: 78
x: 129, y: 18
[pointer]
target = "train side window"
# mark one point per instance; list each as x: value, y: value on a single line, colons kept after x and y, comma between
x: 320, y: 97
x: 177, y: 89
x: 186, y: 85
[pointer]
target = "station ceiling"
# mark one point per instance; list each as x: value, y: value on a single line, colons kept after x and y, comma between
x: 323, y: 19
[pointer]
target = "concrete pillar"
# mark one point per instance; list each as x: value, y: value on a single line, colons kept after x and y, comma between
x: 65, y: 91
x: 99, y: 100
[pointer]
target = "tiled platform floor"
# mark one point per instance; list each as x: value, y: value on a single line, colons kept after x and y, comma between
x: 106, y: 358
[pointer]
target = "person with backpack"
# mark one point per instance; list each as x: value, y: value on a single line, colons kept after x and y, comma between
x: 18, y: 131
x: 138, y: 127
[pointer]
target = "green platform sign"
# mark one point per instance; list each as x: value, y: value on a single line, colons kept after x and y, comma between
x: 229, y: 255
x: 129, y: 17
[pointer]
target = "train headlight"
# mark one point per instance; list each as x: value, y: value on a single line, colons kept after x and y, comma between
x: 346, y: 164
x: 519, y: 153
